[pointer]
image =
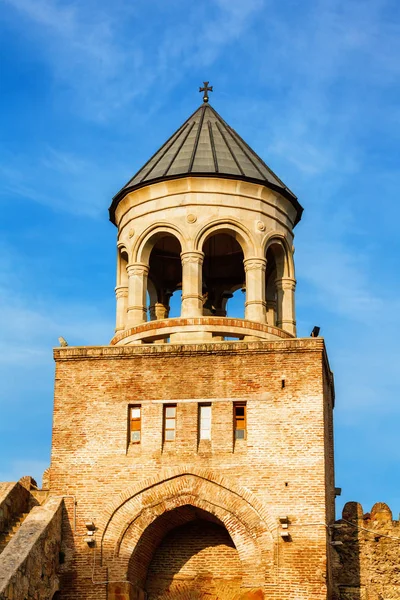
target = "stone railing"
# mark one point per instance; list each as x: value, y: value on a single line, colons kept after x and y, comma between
x: 214, y: 326
x: 29, y: 563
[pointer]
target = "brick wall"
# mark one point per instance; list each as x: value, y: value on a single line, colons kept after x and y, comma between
x: 284, y: 467
x: 199, y: 554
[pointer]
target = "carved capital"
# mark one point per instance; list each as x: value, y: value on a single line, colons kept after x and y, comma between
x: 121, y: 291
x: 286, y: 283
x: 255, y: 264
x: 195, y: 257
x: 137, y: 269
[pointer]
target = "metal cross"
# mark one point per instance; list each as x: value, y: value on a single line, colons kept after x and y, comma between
x: 206, y: 89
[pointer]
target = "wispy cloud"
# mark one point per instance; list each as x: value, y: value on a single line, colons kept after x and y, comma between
x: 107, y: 57
x: 58, y: 179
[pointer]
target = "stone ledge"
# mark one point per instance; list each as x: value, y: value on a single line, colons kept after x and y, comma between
x: 113, y: 352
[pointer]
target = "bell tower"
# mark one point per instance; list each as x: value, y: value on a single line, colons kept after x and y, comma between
x: 205, y: 215
x: 194, y: 452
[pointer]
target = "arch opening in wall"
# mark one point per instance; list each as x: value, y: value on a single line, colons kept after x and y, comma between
x: 122, y: 273
x: 165, y: 276
x: 186, y: 551
x: 223, y: 274
x: 270, y: 288
x: 278, y: 267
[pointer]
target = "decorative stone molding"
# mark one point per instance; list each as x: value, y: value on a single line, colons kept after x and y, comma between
x: 138, y: 269
x: 194, y: 256
x: 260, y: 226
x: 191, y: 218
x: 285, y: 283
x: 121, y: 291
x: 251, y: 264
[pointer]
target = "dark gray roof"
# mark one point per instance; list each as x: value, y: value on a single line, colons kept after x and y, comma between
x: 205, y: 145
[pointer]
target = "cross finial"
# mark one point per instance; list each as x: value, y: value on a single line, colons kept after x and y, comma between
x: 206, y: 89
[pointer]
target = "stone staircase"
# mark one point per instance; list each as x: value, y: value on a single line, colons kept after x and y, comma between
x: 5, y: 536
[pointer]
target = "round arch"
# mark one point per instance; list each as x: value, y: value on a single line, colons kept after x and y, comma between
x: 282, y: 253
x: 155, y: 522
x: 230, y: 227
x: 147, y: 240
x: 242, y: 515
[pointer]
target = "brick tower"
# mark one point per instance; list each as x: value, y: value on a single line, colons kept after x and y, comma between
x: 195, y: 453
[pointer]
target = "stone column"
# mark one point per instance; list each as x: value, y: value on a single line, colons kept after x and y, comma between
x: 121, y: 293
x: 255, y: 305
x: 192, y: 298
x: 158, y: 311
x: 285, y: 318
x: 271, y: 308
x: 137, y: 291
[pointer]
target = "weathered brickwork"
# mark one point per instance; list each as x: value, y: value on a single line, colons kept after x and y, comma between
x: 191, y: 557
x: 138, y: 493
x: 366, y: 565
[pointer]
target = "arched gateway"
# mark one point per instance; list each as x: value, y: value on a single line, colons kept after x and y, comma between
x: 185, y: 530
x: 194, y: 452
x: 190, y: 532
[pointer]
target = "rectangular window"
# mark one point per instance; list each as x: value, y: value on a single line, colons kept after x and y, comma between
x: 135, y: 423
x: 169, y: 422
x: 239, y: 420
x: 205, y: 421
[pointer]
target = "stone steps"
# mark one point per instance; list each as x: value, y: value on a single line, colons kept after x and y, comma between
x: 6, y: 536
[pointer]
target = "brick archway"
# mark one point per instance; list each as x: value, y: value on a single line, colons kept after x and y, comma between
x: 141, y: 518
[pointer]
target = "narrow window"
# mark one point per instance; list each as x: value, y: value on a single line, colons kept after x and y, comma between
x: 169, y: 422
x: 205, y: 421
x: 135, y: 423
x: 239, y: 420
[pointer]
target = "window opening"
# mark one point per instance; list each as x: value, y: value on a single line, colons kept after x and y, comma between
x: 239, y: 420
x: 135, y: 423
x: 205, y: 421
x: 169, y: 423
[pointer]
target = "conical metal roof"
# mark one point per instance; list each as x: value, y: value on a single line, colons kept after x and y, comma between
x: 205, y: 145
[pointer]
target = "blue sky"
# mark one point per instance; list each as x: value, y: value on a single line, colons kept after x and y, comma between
x: 89, y: 90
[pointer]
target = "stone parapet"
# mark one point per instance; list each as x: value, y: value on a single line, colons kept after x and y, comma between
x: 367, y: 554
x: 14, y: 500
x: 231, y: 347
x: 28, y: 565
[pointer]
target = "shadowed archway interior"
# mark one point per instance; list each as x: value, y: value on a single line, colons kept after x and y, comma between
x: 223, y: 272
x: 186, y: 553
x: 165, y: 275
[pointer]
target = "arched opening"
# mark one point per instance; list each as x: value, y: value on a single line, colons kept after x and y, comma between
x: 270, y: 287
x: 122, y: 289
x: 186, y: 552
x: 280, y: 304
x: 122, y: 274
x: 165, y: 276
x: 223, y: 274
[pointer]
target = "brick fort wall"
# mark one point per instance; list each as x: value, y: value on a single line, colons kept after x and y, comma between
x: 284, y: 467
